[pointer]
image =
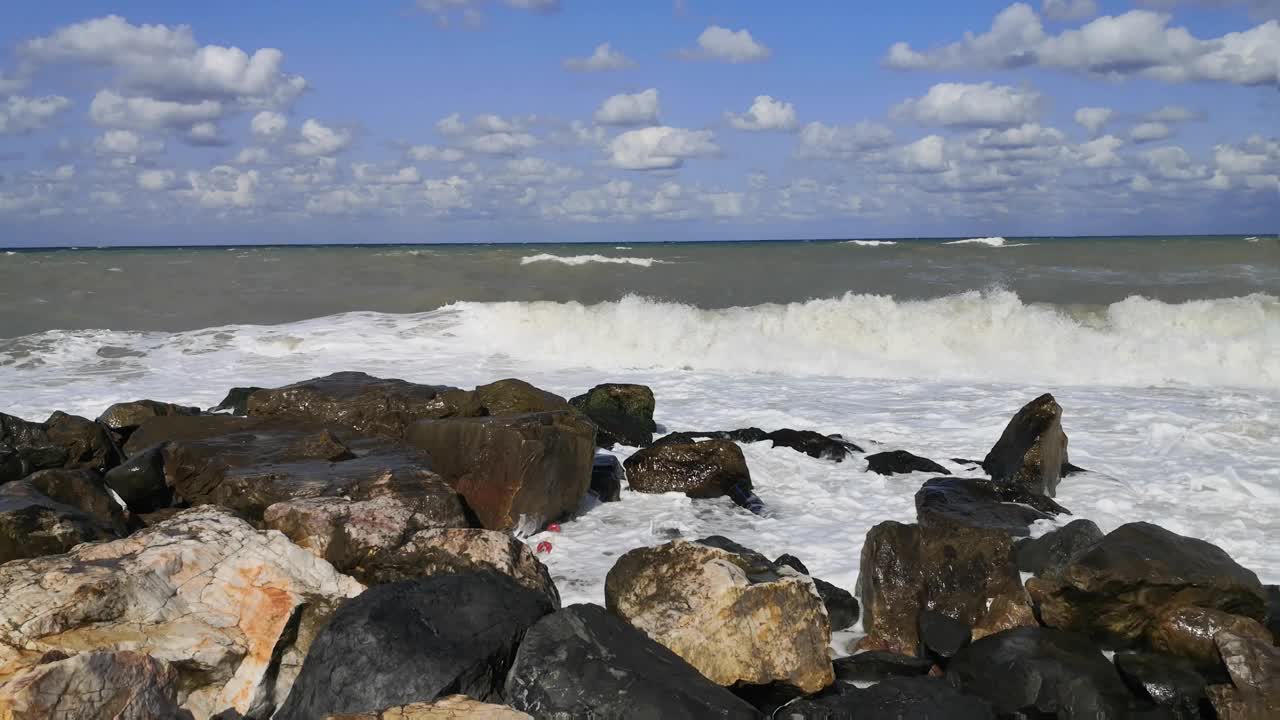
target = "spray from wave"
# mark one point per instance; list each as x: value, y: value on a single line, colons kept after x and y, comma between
x: 869, y: 243
x: 587, y: 259
x: 988, y: 241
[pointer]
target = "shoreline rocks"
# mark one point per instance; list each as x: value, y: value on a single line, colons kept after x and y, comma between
x: 697, y: 468
x: 1032, y: 449
x: 622, y: 413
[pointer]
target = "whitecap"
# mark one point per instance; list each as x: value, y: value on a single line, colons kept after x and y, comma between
x: 587, y: 259
x: 869, y: 243
x: 988, y: 241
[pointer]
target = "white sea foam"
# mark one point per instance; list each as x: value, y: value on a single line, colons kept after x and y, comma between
x: 586, y: 259
x: 622, y: 247
x: 869, y: 243
x: 988, y: 241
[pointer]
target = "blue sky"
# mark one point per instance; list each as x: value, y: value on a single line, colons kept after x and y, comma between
x: 546, y: 120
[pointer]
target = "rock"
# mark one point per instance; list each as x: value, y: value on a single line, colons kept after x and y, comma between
x: 736, y: 618
x: 1032, y: 670
x: 815, y: 445
x: 83, y: 490
x: 415, y: 642
x: 365, y: 403
x: 454, y: 707
x: 1273, y: 610
x: 1114, y: 591
x: 622, y: 413
x: 941, y: 636
x: 139, y: 481
x: 224, y: 604
x: 62, y: 441
x: 33, y: 524
x: 1031, y: 450
x: 124, y: 417
x: 1167, y: 681
x: 1189, y: 631
x: 899, y: 698
x: 842, y: 607
x: 93, y: 686
x: 515, y: 397
x: 1052, y: 551
x: 901, y: 461
x: 967, y: 502
x: 236, y: 402
x: 877, y: 665
x: 705, y: 469
x: 517, y: 471
x: 585, y: 662
x: 1254, y: 666
x: 792, y: 562
x: 606, y: 478
x: 964, y: 573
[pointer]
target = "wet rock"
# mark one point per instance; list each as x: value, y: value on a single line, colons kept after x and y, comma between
x: 236, y: 401
x: 415, y: 642
x: 1273, y: 610
x: 365, y: 403
x: 606, y: 478
x: 1115, y: 591
x: 93, y: 686
x: 125, y: 417
x: 1031, y: 450
x: 967, y: 502
x: 224, y: 604
x: 941, y: 636
x: 917, y: 698
x: 517, y: 471
x: 515, y: 397
x: 622, y: 413
x: 454, y: 707
x: 62, y: 441
x: 139, y: 481
x: 699, y: 469
x: 1032, y: 670
x: 964, y: 573
x: 586, y: 662
x: 1189, y: 632
x: 32, y: 524
x: 815, y: 445
x: 736, y: 617
x: 1167, y: 681
x: 842, y: 607
x: 877, y: 665
x: 1052, y: 551
x: 792, y: 562
x: 900, y: 461
x: 83, y: 490
x: 1254, y: 666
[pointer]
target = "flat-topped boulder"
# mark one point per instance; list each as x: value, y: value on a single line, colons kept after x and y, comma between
x: 362, y: 402
x: 980, y: 503
x: 622, y: 413
x: 1032, y: 449
x: 63, y: 441
x: 124, y: 417
x: 813, y: 444
x: 121, y: 685
x: 697, y: 468
x: 898, y: 462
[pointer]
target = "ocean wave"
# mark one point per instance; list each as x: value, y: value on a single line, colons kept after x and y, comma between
x: 586, y: 259
x: 988, y: 241
x: 869, y: 243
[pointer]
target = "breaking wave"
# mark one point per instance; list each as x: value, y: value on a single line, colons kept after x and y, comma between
x: 870, y: 243
x: 988, y: 241
x: 586, y: 259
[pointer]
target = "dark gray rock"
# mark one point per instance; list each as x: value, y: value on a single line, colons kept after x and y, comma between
x: 900, y: 462
x: 33, y: 525
x: 606, y: 478
x: 362, y: 402
x: 899, y: 698
x: 1032, y: 450
x: 63, y: 441
x: 139, y: 481
x: 1054, y: 550
x: 1165, y: 680
x: 699, y: 469
x: 979, y: 503
x: 622, y: 413
x: 236, y: 402
x: 85, y: 491
x: 124, y: 417
x: 941, y: 636
x: 1273, y: 610
x: 877, y: 665
x: 813, y: 444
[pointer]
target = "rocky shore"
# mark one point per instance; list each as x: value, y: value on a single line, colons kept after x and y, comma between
x: 354, y: 547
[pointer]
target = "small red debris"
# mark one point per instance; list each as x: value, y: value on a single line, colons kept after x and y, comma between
x: 553, y: 527
x: 544, y: 548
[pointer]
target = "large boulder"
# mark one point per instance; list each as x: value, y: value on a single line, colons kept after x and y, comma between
x: 1032, y: 449
x: 83, y: 490
x: 121, y: 685
x: 454, y: 707
x: 897, y: 462
x: 32, y: 524
x: 964, y: 573
x: 737, y: 619
x: 125, y: 417
x: 359, y: 401
x: 515, y: 471
x: 842, y: 607
x: 62, y: 441
x: 622, y: 413
x: 226, y: 605
x: 1273, y: 609
x: 1164, y: 680
x: 1115, y: 591
x: 236, y: 401
x: 899, y: 698
x: 415, y: 642
x: 877, y: 665
x: 140, y: 482
x: 586, y: 662
x: 1188, y: 631
x: 1054, y: 550
x: 699, y: 469
x: 967, y: 502
x: 1254, y: 691
x: 513, y: 397
x: 1040, y: 672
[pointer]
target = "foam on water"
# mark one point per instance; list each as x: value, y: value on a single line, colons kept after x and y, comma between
x: 870, y: 243
x: 587, y: 259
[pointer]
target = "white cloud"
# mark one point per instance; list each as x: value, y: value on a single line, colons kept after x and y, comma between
x: 156, y: 180
x: 1101, y: 152
x: 818, y: 140
x: 428, y: 153
x: 368, y: 173
x: 1149, y: 132
x: 449, y: 194
x: 733, y: 46
x: 1024, y: 136
x: 319, y: 140
x: 535, y: 170
x: 488, y: 134
x: 109, y: 198
x: 126, y: 142
x: 470, y: 10
x: 660, y: 147
x: 205, y: 133
x: 725, y: 204
x: 268, y: 124
x: 1069, y: 9
x: 965, y: 105
x: 1174, y: 114
x: 1173, y: 163
x: 604, y: 58
x: 926, y: 155
x: 223, y: 187
x: 765, y: 113
x: 636, y: 109
x: 252, y: 156
x: 23, y: 114
x: 621, y: 201
x: 111, y: 109
x: 1093, y: 118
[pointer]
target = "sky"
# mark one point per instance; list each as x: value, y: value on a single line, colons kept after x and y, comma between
x: 154, y: 122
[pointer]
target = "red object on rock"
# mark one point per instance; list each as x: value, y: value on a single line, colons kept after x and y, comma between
x: 553, y: 527
x: 544, y: 547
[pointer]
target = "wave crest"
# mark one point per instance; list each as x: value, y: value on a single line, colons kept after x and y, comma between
x: 586, y: 259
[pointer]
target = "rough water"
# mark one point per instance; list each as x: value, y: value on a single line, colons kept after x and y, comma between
x: 1164, y: 353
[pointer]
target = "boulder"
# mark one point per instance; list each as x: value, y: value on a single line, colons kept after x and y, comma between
x: 917, y: 698
x: 1054, y: 550
x: 62, y: 441
x: 585, y: 662
x: 140, y: 483
x: 85, y: 491
x: 941, y: 636
x: 815, y: 445
x: 1040, y: 672
x: 1031, y: 450
x: 967, y: 502
x: 964, y: 573
x: 842, y: 607
x: 1273, y: 610
x: 415, y: 642
x: 226, y: 605
x: 699, y: 469
x: 1164, y: 680
x: 622, y: 413
x: 606, y: 478
x: 514, y: 397
x: 454, y: 707
x: 1188, y: 631
x: 1115, y: 591
x: 124, y: 417
x: 900, y: 461
x: 120, y: 685
x: 877, y: 665
x: 1254, y: 692
x: 236, y: 401
x: 515, y: 471
x: 737, y: 618
x: 362, y: 402
x: 33, y: 524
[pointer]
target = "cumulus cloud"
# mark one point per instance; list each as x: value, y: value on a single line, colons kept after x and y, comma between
x: 1093, y: 118
x: 725, y: 204
x: 1174, y: 114
x: 926, y: 155
x: 111, y: 109
x: 223, y: 187
x: 487, y: 134
x: 1024, y: 136
x: 1173, y: 163
x: 205, y: 133
x: 765, y: 113
x: 660, y: 148
x: 1137, y: 43
x: 636, y: 109
x: 371, y: 174
x: 431, y: 153
x: 1100, y: 152
x: 156, y: 180
x: 965, y: 105
x: 126, y: 142
x: 732, y: 46
x: 1069, y: 9
x: 319, y: 140
x: 821, y: 141
x: 444, y: 11
x: 603, y: 59
x: 252, y: 156
x: 20, y: 114
x: 268, y: 125
x: 1149, y: 132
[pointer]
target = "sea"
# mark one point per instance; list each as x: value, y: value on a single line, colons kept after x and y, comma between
x: 1163, y: 351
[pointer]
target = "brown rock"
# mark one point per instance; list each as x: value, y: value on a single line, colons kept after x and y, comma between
x: 1254, y: 667
x: 120, y: 685
x: 516, y: 471
x: 85, y: 491
x: 1032, y: 450
x: 33, y: 524
x: 129, y: 415
x: 62, y: 441
x: 734, y: 625
x: 964, y: 573
x: 359, y: 401
x: 706, y: 469
x: 514, y: 397
x: 623, y: 413
x: 1189, y: 631
x: 454, y: 707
